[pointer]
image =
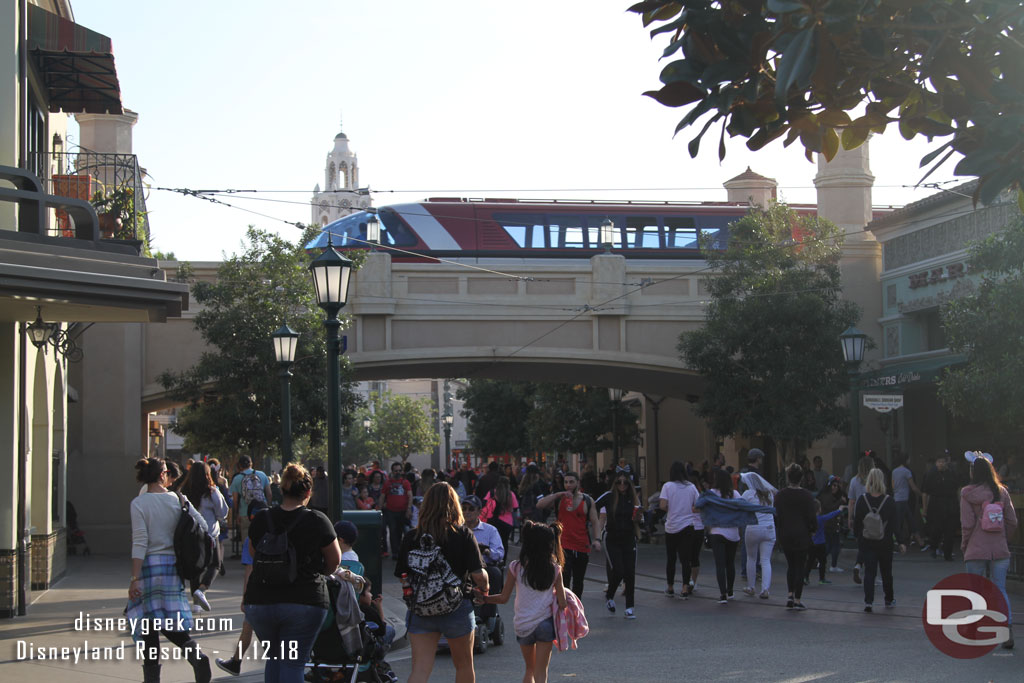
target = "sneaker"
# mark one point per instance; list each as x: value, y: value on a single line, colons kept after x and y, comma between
x: 824, y: 582
x: 748, y: 591
x: 790, y: 604
x: 890, y: 603
x: 629, y: 613
x: 836, y: 570
x: 670, y: 591
x: 807, y: 581
x: 232, y: 666
x: 925, y: 548
x: 722, y: 600
x: 856, y: 574
x: 729, y: 596
x: 867, y: 607
x: 199, y: 598
x: 799, y: 606
x: 764, y: 595
x: 611, y: 606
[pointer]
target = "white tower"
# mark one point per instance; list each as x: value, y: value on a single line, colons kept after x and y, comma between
x: 340, y: 196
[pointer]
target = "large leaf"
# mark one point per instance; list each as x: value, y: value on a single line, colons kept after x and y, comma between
x: 676, y: 94
x: 796, y: 65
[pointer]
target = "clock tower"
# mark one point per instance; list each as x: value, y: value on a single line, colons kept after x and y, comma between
x: 340, y: 196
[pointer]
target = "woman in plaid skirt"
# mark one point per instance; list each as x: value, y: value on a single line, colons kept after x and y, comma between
x: 156, y: 591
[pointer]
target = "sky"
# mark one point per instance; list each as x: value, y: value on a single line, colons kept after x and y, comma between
x: 531, y: 99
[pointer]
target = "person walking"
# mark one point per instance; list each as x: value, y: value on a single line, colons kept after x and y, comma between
x: 577, y: 515
x: 795, y: 522
x: 246, y: 486
x: 940, y: 502
x: 287, y: 615
x: 396, y: 505
x: 534, y: 575
x: 441, y: 518
x: 817, y: 556
x: 501, y: 504
x: 321, y: 490
x: 875, y: 509
x: 683, y: 528
x: 903, y: 488
x: 156, y: 593
x: 203, y: 494
x: 233, y: 664
x: 724, y: 540
x: 857, y: 487
x: 618, y: 514
x: 832, y: 499
x: 984, y: 544
x: 759, y: 538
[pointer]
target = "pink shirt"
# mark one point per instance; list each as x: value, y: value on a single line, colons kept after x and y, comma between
x: 505, y: 516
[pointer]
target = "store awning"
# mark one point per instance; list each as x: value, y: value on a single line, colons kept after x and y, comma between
x: 909, y: 373
x: 75, y: 64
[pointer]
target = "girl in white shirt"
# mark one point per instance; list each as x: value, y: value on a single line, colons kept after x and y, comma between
x: 759, y: 538
x: 536, y: 576
x: 724, y: 541
x: 682, y: 525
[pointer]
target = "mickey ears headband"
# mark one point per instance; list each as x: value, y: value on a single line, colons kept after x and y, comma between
x: 971, y: 456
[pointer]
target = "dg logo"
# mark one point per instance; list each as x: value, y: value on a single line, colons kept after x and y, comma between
x: 965, y: 616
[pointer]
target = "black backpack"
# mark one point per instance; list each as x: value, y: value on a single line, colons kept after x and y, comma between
x: 275, y: 563
x: 194, y: 549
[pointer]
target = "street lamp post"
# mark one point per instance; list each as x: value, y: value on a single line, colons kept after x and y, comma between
x: 331, y: 273
x: 616, y: 396
x: 447, y: 419
x: 853, y: 341
x: 285, y: 341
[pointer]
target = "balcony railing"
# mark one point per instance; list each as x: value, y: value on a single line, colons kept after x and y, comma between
x: 111, y: 182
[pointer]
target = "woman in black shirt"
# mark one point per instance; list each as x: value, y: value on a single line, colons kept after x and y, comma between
x: 795, y: 522
x: 617, y: 512
x: 287, y: 615
x: 441, y: 519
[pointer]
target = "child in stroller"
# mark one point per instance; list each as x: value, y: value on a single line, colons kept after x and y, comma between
x: 354, y: 638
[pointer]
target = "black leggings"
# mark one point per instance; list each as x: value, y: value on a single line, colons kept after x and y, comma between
x: 504, y: 531
x: 796, y: 561
x: 680, y: 545
x: 818, y: 555
x: 575, y: 570
x: 211, y: 572
x: 725, y: 562
x: 621, y: 564
x: 151, y: 655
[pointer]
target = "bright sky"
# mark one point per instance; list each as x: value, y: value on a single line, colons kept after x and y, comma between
x: 531, y: 99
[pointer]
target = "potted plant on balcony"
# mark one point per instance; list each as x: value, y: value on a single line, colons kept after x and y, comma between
x: 117, y: 214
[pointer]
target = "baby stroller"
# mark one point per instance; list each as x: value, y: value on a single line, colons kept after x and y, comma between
x: 76, y: 537
x: 345, y: 651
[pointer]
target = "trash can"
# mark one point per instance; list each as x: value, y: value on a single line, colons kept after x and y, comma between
x: 370, y: 525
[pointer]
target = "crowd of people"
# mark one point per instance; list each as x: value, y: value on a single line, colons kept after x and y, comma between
x: 469, y: 519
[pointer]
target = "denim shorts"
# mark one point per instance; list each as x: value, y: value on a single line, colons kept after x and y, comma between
x: 544, y: 633
x: 454, y: 625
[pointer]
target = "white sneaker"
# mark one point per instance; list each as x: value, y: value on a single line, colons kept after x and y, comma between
x: 629, y: 613
x: 611, y: 606
x: 199, y: 598
x: 836, y: 570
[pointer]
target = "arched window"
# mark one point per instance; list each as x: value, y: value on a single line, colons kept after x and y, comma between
x: 331, y: 175
x: 344, y: 174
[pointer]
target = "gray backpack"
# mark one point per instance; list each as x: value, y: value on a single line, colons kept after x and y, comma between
x: 874, y: 525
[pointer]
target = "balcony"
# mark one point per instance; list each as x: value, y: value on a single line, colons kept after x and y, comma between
x: 112, y: 183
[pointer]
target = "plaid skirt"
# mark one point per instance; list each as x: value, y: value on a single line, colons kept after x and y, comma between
x: 163, y: 595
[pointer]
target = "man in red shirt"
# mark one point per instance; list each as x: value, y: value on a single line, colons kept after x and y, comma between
x: 577, y: 515
x: 396, y: 503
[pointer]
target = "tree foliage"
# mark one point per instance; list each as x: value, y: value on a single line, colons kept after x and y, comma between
x: 988, y: 326
x: 496, y: 412
x: 232, y: 396
x: 830, y: 73
x: 770, y: 348
x: 399, y: 425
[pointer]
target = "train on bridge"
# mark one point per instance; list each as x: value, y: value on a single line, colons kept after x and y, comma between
x: 520, y: 228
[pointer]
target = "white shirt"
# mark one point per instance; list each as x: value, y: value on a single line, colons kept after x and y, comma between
x: 154, y: 519
x: 765, y: 519
x: 680, y: 498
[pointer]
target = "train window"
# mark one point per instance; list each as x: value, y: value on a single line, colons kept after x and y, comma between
x: 393, y: 230
x: 565, y: 231
x: 642, y: 232
x: 526, y: 229
x: 681, y: 233
x: 350, y: 231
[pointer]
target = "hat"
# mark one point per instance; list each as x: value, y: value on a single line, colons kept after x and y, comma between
x: 754, y: 454
x: 833, y: 479
x: 974, y: 455
x: 346, y: 531
x: 473, y: 500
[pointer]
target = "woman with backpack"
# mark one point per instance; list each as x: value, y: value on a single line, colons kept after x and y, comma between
x: 874, y: 522
x: 155, y: 590
x: 987, y: 519
x: 202, y: 492
x: 286, y: 599
x: 440, y: 526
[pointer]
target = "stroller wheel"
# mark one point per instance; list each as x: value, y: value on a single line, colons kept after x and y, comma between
x: 498, y: 633
x: 481, y: 640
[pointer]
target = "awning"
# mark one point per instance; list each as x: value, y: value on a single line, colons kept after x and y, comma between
x: 913, y: 373
x: 75, y: 64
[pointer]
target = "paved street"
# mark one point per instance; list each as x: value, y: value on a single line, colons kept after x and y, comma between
x: 747, y: 640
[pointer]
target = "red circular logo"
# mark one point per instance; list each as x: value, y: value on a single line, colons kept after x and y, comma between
x: 965, y: 616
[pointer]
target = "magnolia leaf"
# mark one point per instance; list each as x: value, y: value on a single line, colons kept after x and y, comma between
x: 676, y: 94
x: 856, y: 134
x: 796, y: 64
x: 834, y: 117
x: 829, y: 144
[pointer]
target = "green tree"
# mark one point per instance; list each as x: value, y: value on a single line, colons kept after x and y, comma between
x: 569, y: 419
x: 232, y: 395
x: 770, y: 344
x: 988, y: 326
x: 399, y: 425
x: 800, y: 68
x: 496, y: 412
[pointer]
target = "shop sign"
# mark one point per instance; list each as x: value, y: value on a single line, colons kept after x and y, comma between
x: 883, y: 403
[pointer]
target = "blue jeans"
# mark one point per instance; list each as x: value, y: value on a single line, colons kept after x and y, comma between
x: 289, y: 631
x: 996, y: 571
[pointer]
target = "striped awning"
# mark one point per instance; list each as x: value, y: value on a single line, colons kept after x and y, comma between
x: 75, y: 64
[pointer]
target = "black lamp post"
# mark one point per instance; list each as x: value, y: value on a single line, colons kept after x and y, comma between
x: 853, y: 341
x: 285, y: 340
x: 331, y: 273
x: 447, y: 420
x: 616, y: 396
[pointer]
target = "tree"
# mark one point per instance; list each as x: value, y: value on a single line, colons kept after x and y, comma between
x: 769, y: 348
x: 232, y: 395
x: 400, y: 425
x: 988, y: 326
x: 799, y: 68
x: 496, y: 412
x: 578, y: 419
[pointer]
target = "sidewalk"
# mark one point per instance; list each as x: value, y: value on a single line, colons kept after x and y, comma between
x: 95, y: 587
